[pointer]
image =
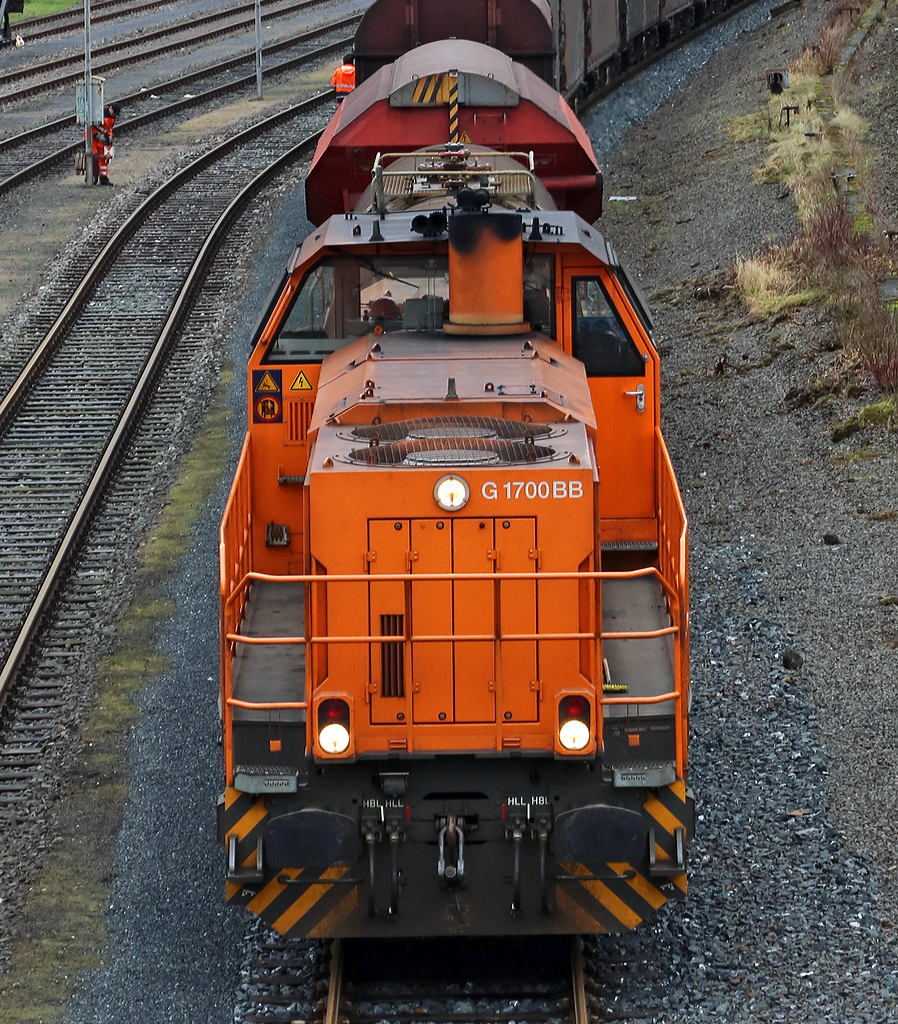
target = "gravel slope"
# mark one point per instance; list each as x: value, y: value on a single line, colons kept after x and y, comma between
x: 793, y: 883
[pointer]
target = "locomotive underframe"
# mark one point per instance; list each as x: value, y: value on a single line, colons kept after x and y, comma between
x: 454, y: 845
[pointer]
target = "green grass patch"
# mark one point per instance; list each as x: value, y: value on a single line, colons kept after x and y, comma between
x: 749, y: 127
x: 865, y: 454
x: 879, y: 414
x: 835, y: 257
x: 38, y: 8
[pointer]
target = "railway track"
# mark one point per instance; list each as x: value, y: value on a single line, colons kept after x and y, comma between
x: 539, y: 981
x: 50, y: 144
x: 287, y: 977
x: 72, y: 18
x: 67, y: 419
x: 53, y: 74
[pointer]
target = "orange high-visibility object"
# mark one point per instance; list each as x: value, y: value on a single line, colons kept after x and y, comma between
x: 454, y: 579
x: 343, y: 79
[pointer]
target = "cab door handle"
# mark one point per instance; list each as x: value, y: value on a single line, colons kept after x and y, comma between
x: 639, y: 394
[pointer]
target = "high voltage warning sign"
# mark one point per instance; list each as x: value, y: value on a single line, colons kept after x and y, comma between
x: 301, y: 383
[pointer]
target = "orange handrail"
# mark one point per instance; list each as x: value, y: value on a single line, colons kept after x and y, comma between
x: 463, y: 577
x: 236, y: 578
x: 673, y: 546
x: 636, y: 634
x: 235, y: 559
x: 233, y: 637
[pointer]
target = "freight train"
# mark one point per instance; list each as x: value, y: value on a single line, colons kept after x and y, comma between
x: 576, y: 46
x: 454, y: 572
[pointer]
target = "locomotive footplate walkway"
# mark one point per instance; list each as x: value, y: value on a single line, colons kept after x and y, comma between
x: 275, y: 673
x: 644, y: 668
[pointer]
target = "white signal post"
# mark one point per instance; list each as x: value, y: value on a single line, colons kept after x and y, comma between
x: 88, y: 103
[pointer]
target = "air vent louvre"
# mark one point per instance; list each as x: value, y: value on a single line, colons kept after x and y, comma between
x: 392, y: 679
x: 454, y: 427
x: 299, y: 416
x: 450, y: 451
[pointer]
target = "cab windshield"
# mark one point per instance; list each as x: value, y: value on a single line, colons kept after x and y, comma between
x: 343, y: 298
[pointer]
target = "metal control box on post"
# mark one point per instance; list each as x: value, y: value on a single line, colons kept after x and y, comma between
x: 96, y: 101
x: 89, y: 105
x: 88, y: 111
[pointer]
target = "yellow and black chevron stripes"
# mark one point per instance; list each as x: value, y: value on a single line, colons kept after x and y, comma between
x: 615, y: 896
x: 670, y: 809
x: 433, y: 89
x: 285, y: 905
x: 621, y: 903
x: 609, y: 904
x: 453, y: 108
x: 309, y: 903
x: 243, y: 815
x: 312, y: 909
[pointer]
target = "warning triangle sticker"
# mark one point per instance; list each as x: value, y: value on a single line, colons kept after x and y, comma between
x: 301, y: 383
x: 267, y: 383
x: 464, y: 137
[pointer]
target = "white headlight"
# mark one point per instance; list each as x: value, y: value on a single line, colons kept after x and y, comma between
x: 334, y: 738
x: 451, y: 493
x: 574, y: 734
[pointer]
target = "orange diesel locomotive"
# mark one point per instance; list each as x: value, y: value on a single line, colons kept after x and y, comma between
x: 454, y: 583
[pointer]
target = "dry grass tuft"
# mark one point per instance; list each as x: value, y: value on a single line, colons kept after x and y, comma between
x: 767, y: 286
x: 872, y: 332
x: 822, y: 58
x: 836, y: 255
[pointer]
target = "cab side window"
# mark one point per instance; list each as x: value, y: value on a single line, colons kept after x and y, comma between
x: 600, y: 341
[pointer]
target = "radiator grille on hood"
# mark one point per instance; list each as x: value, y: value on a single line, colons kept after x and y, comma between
x: 450, y: 451
x: 454, y: 427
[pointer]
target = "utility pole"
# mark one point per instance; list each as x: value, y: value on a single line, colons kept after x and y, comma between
x: 88, y: 103
x: 258, y: 47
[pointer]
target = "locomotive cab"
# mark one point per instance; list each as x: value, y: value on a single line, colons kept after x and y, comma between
x: 454, y: 583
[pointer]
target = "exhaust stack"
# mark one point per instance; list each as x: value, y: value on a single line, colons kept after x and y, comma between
x: 486, y: 272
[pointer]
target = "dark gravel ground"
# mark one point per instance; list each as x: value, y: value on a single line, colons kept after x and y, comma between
x: 792, y: 884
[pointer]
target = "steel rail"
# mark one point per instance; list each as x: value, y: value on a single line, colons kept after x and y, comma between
x: 566, y: 1000
x: 74, y: 17
x: 45, y: 163
x: 129, y: 417
x: 229, y: 64
x: 335, y: 985
x: 578, y: 983
x: 141, y: 55
x: 70, y: 12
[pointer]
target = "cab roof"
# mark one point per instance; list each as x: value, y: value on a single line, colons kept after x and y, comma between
x: 360, y: 231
